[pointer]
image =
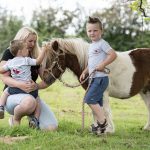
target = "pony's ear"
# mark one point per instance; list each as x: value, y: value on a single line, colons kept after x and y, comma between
x: 55, y: 45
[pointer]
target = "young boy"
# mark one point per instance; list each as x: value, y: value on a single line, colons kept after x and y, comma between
x: 20, y: 67
x: 99, y: 56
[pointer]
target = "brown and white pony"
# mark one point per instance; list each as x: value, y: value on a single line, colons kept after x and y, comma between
x: 129, y: 73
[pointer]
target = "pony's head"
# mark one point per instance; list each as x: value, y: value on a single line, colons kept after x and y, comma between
x: 62, y: 54
x: 54, y: 63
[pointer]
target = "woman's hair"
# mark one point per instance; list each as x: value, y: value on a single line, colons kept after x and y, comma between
x: 23, y: 34
x: 16, y: 45
x: 94, y: 20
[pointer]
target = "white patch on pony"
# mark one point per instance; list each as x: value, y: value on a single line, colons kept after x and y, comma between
x: 121, y: 75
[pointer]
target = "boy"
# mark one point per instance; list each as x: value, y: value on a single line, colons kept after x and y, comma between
x: 20, y: 67
x: 99, y: 56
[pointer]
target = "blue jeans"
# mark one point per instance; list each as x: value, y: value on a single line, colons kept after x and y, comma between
x: 95, y: 92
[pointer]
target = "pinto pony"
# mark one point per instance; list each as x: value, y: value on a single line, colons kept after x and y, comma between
x: 129, y: 73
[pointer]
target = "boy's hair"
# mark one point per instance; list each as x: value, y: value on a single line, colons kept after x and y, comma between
x: 94, y: 20
x: 16, y: 45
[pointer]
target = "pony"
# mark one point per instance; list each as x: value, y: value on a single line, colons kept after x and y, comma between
x: 129, y: 73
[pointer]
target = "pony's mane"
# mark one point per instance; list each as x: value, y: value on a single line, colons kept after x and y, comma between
x: 76, y: 46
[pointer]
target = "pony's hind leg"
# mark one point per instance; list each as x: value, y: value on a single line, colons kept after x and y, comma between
x: 146, y: 97
x: 110, y: 128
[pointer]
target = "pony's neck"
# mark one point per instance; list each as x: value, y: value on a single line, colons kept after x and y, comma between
x: 73, y: 64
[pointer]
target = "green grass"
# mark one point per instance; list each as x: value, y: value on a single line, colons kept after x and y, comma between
x: 129, y: 118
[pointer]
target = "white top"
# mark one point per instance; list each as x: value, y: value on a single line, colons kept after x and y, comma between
x: 97, y: 53
x: 20, y: 67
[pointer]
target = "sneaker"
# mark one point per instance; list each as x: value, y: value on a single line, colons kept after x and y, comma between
x: 102, y: 127
x: 94, y: 128
x: 1, y: 112
x: 34, y: 123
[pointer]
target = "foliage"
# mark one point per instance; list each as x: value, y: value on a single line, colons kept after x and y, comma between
x: 141, y: 6
x: 52, y: 22
x: 9, y: 25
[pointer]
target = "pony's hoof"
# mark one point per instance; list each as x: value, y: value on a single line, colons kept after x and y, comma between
x: 146, y: 127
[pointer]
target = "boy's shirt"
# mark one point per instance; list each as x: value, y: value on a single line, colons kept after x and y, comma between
x: 97, y: 53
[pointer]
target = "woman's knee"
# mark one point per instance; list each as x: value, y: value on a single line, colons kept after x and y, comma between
x: 28, y: 104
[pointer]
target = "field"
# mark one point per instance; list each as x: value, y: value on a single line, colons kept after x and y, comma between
x: 129, y: 118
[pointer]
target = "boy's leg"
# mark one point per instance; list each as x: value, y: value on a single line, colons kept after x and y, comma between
x: 98, y: 112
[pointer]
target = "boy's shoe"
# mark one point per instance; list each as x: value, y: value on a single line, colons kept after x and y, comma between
x: 1, y: 112
x: 94, y: 128
x: 34, y: 123
x: 102, y: 127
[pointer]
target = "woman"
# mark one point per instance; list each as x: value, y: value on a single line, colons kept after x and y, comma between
x: 20, y: 105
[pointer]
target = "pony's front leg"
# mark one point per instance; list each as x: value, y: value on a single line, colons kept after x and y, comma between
x: 146, y: 98
x: 110, y: 128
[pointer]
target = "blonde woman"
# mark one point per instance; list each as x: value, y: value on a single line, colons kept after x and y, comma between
x: 20, y: 105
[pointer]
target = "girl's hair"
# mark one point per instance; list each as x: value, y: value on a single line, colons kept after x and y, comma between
x: 16, y: 45
x: 23, y: 34
x: 94, y: 20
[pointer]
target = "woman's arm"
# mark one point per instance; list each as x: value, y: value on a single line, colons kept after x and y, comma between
x: 42, y: 84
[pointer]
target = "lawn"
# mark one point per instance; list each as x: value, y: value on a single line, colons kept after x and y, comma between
x: 129, y: 118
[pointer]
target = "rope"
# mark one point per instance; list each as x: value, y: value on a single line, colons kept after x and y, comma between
x: 106, y: 70
x: 83, y: 102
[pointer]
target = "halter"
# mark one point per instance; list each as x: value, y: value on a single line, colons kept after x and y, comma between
x: 55, y: 63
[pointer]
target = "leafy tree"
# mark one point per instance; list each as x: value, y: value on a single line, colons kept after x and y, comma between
x: 9, y: 25
x: 52, y: 22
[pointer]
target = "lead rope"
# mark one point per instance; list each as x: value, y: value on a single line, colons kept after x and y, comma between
x: 83, y: 101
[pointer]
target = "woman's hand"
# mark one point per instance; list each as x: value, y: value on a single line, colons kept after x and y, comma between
x: 28, y: 86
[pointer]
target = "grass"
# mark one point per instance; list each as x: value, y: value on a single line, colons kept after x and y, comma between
x: 129, y: 118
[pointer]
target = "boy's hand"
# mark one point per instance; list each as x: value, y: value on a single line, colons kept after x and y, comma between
x: 82, y: 77
x: 100, y: 67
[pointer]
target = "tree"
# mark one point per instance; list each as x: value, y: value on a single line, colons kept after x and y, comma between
x: 52, y: 22
x: 9, y: 25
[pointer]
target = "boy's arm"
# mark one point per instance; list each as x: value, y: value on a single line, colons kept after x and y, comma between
x: 111, y: 56
x: 40, y: 58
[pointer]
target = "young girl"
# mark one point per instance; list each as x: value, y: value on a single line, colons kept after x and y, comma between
x: 100, y: 55
x: 20, y: 67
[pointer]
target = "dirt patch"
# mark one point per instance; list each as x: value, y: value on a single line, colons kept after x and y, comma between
x: 11, y: 140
